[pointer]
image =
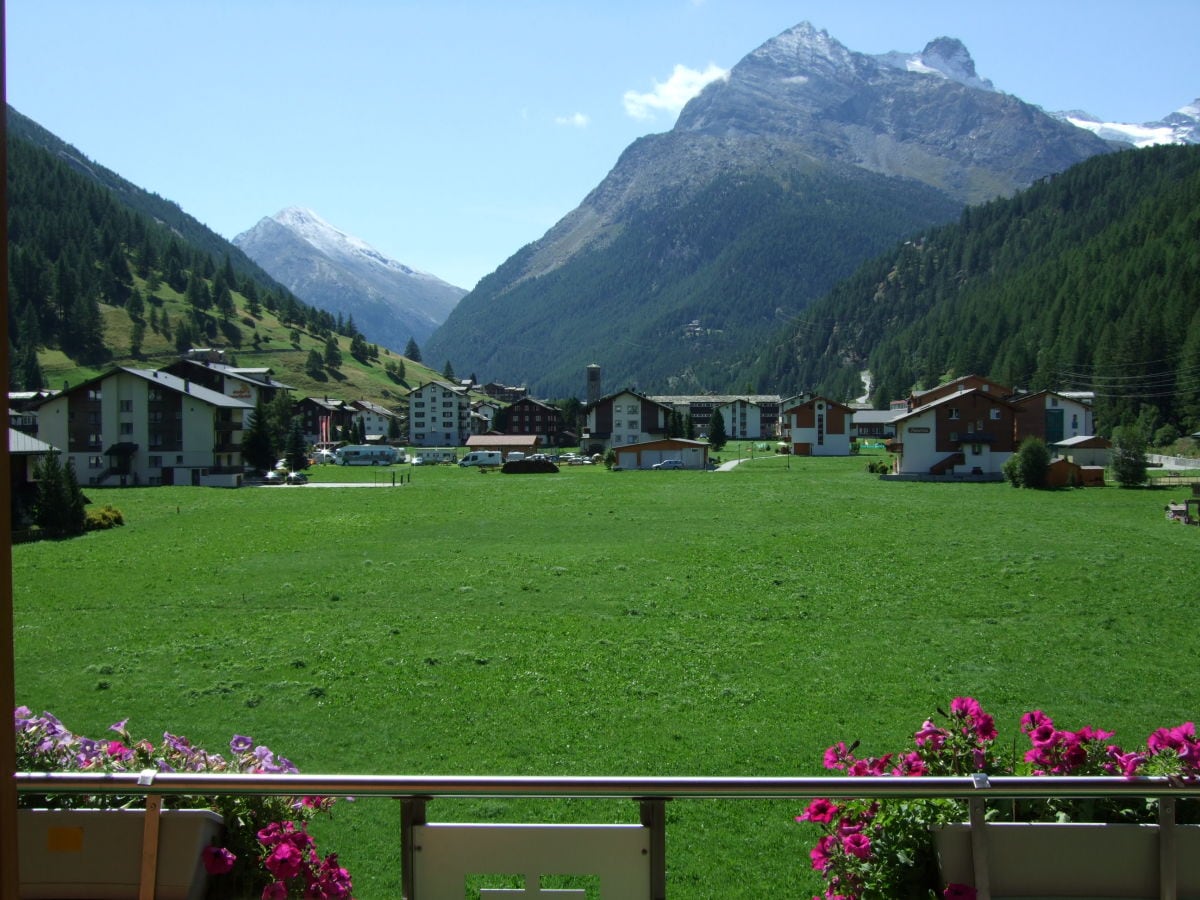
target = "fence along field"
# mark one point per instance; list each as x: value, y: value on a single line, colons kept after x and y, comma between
x: 599, y: 623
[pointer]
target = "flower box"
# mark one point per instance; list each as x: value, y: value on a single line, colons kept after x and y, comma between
x: 1050, y: 859
x: 97, y: 853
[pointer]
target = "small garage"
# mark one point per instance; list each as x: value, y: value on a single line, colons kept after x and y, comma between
x: 692, y: 454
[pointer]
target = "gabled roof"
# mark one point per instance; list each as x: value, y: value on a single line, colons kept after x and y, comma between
x: 21, y: 444
x: 608, y: 397
x: 874, y: 416
x: 527, y: 401
x: 445, y: 385
x: 165, y: 380
x: 951, y: 398
x: 812, y: 400
x: 259, y: 376
x: 368, y: 406
x: 1091, y: 441
x: 1021, y: 399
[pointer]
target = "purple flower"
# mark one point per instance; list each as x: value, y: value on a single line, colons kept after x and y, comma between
x: 240, y: 743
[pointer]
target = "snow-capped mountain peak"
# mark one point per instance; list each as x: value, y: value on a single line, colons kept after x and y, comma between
x: 945, y: 56
x: 332, y: 241
x: 1180, y: 127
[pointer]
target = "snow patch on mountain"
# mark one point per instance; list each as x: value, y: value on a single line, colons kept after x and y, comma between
x: 945, y: 57
x: 334, y: 242
x: 1180, y: 127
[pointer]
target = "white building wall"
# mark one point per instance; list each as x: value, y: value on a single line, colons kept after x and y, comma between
x: 920, y: 448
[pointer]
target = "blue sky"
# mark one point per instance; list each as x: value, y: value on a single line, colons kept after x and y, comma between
x: 449, y: 134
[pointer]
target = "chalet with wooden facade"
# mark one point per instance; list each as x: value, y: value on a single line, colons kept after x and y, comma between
x: 621, y: 419
x: 968, y: 433
x: 529, y: 416
x: 819, y: 427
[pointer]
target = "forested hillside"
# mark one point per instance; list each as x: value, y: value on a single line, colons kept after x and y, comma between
x: 737, y: 257
x: 94, y: 281
x: 1089, y: 280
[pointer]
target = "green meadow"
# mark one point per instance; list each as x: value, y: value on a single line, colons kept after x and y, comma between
x: 608, y: 623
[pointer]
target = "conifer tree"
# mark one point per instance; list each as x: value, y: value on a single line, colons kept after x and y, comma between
x: 717, y: 438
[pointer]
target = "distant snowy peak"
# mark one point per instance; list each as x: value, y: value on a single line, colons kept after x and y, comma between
x: 944, y: 56
x: 1179, y: 127
x: 334, y: 242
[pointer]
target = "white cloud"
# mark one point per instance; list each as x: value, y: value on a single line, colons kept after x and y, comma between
x: 671, y: 95
x: 575, y: 120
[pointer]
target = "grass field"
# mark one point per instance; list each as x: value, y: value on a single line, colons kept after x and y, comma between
x: 593, y: 623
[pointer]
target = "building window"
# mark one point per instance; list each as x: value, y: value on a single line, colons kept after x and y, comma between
x: 1054, y: 401
x: 953, y: 413
x: 126, y: 406
x: 95, y: 394
x: 126, y: 428
x: 95, y: 462
x: 155, y: 462
x: 995, y: 414
x: 976, y: 449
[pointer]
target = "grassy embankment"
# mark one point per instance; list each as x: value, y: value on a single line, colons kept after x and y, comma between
x: 641, y: 623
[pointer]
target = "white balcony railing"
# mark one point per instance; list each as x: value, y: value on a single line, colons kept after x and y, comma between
x: 434, y: 856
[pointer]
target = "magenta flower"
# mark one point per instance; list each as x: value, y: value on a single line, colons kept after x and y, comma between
x: 217, y: 860
x: 956, y: 891
x: 276, y: 890
x: 930, y: 734
x: 820, y: 810
x: 285, y: 860
x: 821, y: 851
x: 858, y: 845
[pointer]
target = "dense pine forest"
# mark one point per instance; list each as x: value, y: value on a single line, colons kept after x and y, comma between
x: 1089, y: 280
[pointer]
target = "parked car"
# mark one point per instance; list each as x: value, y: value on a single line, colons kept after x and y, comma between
x: 297, y: 478
x: 273, y: 477
x: 668, y: 464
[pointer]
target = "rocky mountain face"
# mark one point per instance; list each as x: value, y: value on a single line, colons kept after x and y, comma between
x: 342, y: 274
x: 801, y: 125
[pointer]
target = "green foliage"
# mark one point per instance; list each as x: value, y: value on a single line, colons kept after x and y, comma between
x: 59, y: 509
x: 258, y: 445
x: 1029, y: 466
x: 717, y: 437
x: 104, y: 518
x: 296, y: 451
x: 1086, y: 281
x: 1128, y: 456
x: 412, y: 351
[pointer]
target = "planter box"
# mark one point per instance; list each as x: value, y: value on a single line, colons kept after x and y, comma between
x: 97, y: 853
x: 1049, y: 860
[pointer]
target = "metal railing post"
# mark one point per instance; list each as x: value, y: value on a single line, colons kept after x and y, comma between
x: 1168, y: 875
x: 654, y: 817
x: 412, y: 813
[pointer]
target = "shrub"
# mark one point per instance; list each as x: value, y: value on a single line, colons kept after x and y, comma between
x: 1128, y: 456
x: 1029, y: 465
x: 102, y: 519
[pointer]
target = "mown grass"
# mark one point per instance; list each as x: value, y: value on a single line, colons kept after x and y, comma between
x: 590, y: 622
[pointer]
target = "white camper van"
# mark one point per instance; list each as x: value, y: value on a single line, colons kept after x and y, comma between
x: 481, y: 458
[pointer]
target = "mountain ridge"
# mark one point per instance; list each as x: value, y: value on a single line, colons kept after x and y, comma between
x: 797, y: 117
x: 390, y: 302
